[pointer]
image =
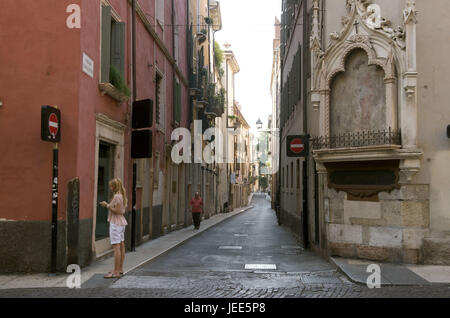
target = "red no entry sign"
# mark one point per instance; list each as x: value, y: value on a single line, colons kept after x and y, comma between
x: 50, y: 124
x: 53, y: 124
x: 297, y: 146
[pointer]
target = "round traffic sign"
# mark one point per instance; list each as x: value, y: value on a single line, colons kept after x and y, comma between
x: 53, y: 124
x: 297, y: 145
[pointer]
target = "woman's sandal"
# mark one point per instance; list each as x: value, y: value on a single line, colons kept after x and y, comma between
x: 111, y: 275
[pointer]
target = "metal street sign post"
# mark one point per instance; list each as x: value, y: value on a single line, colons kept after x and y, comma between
x: 51, y: 132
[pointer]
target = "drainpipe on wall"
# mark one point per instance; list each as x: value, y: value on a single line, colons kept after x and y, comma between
x: 173, y: 113
x: 188, y: 167
x: 133, y: 203
x: 305, y: 128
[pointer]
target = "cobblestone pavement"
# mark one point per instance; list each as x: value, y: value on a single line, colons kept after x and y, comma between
x: 212, y: 265
x: 236, y: 285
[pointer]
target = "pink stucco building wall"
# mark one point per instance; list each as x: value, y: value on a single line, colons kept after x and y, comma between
x: 41, y: 64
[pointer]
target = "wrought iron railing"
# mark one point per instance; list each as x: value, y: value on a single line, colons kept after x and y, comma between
x: 193, y: 80
x: 358, y: 139
x: 203, y: 82
x: 216, y: 100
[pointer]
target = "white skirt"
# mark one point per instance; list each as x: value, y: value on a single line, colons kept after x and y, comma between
x: 116, y: 233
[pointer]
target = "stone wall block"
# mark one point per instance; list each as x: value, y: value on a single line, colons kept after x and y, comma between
x: 336, y: 211
x: 385, y: 237
x: 415, y: 192
x: 391, y: 212
x: 342, y: 250
x: 344, y: 233
x: 412, y: 256
x: 413, y: 238
x: 380, y: 254
x: 361, y: 210
x: 415, y: 214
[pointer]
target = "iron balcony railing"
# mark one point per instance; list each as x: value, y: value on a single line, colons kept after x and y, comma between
x: 358, y: 139
x: 198, y: 83
x: 216, y: 100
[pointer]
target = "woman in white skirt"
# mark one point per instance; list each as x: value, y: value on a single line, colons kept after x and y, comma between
x: 117, y: 224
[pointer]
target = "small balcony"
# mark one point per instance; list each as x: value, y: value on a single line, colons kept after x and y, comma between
x: 193, y: 84
x: 216, y: 100
x: 198, y: 83
x: 361, y: 139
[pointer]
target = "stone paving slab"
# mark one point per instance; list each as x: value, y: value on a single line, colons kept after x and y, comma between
x: 393, y: 274
x: 433, y: 274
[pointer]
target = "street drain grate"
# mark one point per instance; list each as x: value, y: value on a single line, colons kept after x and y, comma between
x: 260, y: 266
x: 230, y: 247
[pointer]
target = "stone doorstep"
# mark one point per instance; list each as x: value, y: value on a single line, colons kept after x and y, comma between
x: 100, y: 267
x: 392, y: 274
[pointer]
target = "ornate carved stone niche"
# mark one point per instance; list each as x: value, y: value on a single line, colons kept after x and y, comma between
x: 392, y: 49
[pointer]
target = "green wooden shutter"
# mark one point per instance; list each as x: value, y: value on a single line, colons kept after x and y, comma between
x: 118, y: 46
x: 106, y: 43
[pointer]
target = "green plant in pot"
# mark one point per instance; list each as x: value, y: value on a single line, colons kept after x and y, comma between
x: 116, y: 79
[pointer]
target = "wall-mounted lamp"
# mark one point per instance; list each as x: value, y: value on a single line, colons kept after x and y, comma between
x: 259, y: 124
x: 1, y: 103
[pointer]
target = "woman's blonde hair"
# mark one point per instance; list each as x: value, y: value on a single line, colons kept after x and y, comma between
x: 117, y: 187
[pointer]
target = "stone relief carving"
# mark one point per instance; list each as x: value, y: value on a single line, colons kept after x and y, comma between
x: 374, y: 19
x: 370, y: 15
x: 410, y: 13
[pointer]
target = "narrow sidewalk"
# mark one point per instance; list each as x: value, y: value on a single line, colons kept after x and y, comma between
x: 356, y: 271
x: 144, y: 253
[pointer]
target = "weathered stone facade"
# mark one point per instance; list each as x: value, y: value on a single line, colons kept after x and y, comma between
x: 391, y: 229
x: 409, y: 222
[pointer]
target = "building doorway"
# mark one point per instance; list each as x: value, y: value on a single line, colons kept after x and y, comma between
x: 105, y: 174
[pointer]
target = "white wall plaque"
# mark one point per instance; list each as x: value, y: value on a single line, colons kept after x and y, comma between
x: 88, y: 65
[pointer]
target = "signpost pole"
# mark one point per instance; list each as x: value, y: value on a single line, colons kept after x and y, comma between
x: 54, y: 209
x: 133, y: 211
x: 51, y: 132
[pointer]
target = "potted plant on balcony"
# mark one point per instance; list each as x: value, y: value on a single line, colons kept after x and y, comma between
x: 116, y: 88
x: 208, y: 20
x: 201, y: 36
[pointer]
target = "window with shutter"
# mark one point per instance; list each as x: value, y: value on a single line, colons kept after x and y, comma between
x: 112, y: 45
x: 118, y: 46
x: 106, y: 43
